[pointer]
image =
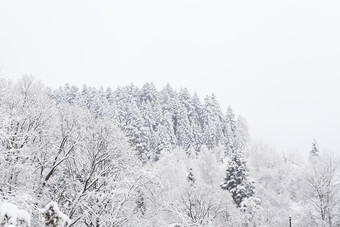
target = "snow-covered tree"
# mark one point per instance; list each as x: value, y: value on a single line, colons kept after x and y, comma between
x: 10, y: 214
x: 169, y: 101
x: 53, y: 217
x: 242, y: 137
x: 323, y: 190
x: 209, y: 168
x: 231, y: 120
x: 237, y: 180
x: 191, y: 177
x: 26, y: 121
x: 315, y: 149
x: 183, y: 129
x: 202, y: 206
x: 230, y: 130
x: 212, y: 122
x: 78, y: 147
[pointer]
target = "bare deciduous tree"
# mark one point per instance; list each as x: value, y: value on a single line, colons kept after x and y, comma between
x: 323, y: 188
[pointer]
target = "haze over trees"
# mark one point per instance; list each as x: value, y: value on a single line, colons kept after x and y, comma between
x: 147, y: 157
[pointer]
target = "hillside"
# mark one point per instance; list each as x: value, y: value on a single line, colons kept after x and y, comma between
x: 146, y: 157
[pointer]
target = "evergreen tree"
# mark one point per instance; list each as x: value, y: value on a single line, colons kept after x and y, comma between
x: 315, y: 149
x: 230, y: 131
x: 148, y: 93
x: 191, y: 177
x: 163, y: 140
x: 135, y: 130
x: 242, y: 138
x: 237, y: 180
x: 183, y: 129
x: 169, y: 102
x: 231, y: 120
x: 197, y: 123
x: 213, y: 122
x: 140, y: 203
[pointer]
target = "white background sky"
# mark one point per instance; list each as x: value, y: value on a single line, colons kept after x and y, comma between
x: 277, y: 63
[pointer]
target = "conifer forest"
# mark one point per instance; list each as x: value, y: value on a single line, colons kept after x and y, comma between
x: 149, y: 156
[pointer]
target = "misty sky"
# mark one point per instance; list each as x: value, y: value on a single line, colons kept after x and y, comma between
x: 277, y: 63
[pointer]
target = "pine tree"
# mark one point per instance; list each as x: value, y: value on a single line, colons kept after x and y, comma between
x: 184, y: 131
x: 140, y: 203
x: 231, y: 120
x: 230, y: 130
x: 237, y: 180
x: 169, y: 102
x: 242, y: 138
x: 213, y: 122
x: 191, y: 177
x: 197, y: 123
x: 315, y: 149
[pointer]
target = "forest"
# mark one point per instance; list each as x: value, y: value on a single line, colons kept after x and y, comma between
x: 145, y: 156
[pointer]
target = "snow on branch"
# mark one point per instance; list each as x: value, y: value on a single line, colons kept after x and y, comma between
x: 11, y: 215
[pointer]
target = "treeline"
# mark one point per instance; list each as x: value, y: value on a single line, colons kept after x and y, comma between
x: 116, y: 158
x: 156, y: 121
x: 146, y: 157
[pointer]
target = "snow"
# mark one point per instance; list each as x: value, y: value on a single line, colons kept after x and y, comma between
x: 13, y: 215
x: 175, y: 225
x: 24, y: 216
x: 54, y: 216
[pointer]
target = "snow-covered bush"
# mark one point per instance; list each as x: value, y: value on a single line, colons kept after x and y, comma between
x: 11, y: 215
x: 54, y: 217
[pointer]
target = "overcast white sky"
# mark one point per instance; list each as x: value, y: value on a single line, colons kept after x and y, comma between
x: 277, y: 63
